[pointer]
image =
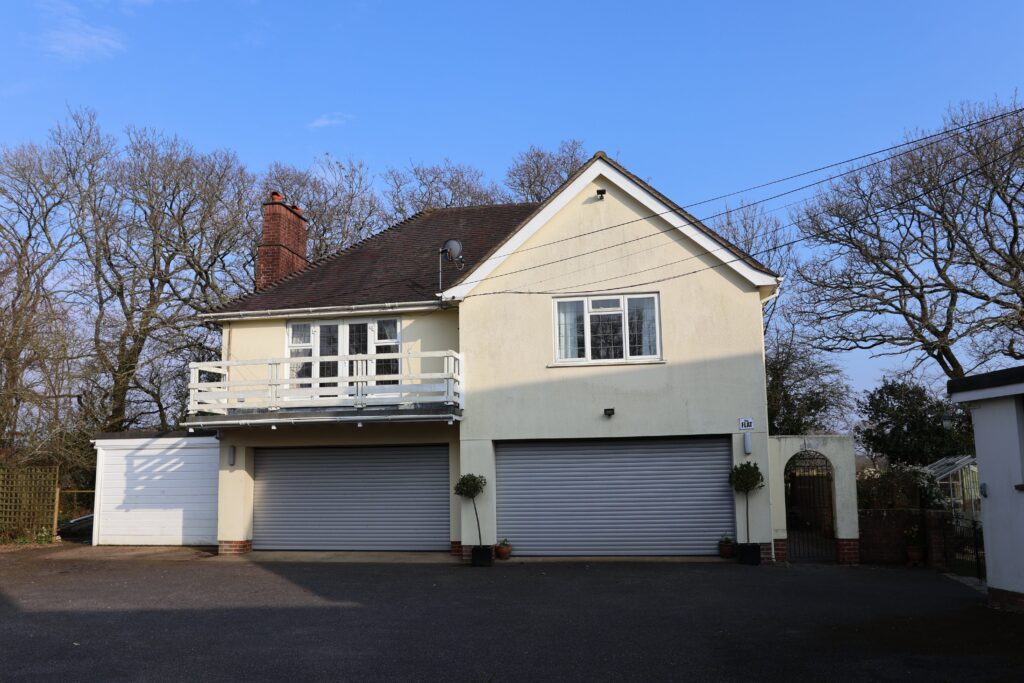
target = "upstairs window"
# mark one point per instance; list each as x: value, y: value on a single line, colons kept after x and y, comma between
x: 607, y: 328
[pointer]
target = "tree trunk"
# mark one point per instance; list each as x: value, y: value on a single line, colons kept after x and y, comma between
x: 479, y: 532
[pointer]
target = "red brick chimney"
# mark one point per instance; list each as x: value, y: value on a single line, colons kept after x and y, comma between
x: 283, y: 248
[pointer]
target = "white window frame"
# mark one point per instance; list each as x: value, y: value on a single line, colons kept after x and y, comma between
x: 343, y: 339
x: 623, y: 310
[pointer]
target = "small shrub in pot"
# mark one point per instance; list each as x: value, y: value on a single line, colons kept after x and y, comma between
x: 745, y: 478
x: 470, y: 486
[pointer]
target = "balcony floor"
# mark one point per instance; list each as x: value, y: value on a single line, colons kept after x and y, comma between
x: 241, y: 417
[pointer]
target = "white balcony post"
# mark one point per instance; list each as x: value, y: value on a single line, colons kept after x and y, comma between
x: 449, y: 380
x: 272, y: 374
x: 193, y: 391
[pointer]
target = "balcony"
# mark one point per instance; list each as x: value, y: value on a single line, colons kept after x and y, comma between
x: 420, y: 386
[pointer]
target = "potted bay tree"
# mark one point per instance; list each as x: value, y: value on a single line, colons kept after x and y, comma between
x: 745, y: 478
x: 470, y: 486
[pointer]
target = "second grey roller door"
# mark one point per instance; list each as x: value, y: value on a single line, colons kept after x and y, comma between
x: 668, y: 496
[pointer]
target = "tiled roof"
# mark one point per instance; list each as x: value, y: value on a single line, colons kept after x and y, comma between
x: 396, y: 265
x: 400, y: 264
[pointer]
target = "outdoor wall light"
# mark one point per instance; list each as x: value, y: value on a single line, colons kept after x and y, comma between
x: 231, y: 455
x: 273, y: 426
x: 748, y: 443
x: 608, y: 412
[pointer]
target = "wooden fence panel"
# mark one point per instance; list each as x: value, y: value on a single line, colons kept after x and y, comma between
x: 28, y: 503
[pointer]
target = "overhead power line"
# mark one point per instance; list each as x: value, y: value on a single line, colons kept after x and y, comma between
x: 670, y: 230
x: 763, y: 251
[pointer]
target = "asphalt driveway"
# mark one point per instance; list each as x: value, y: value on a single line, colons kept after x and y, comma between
x: 78, y: 614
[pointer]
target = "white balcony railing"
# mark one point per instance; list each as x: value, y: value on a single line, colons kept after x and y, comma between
x: 352, y: 381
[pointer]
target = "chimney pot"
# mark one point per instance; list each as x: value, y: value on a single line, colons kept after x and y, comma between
x: 296, y: 208
x: 275, y: 196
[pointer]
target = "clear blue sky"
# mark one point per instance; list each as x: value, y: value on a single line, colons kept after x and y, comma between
x: 699, y: 98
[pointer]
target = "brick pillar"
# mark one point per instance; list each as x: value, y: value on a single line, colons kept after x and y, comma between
x: 282, y: 251
x: 766, y: 553
x: 456, y: 548
x: 233, y: 547
x: 848, y: 551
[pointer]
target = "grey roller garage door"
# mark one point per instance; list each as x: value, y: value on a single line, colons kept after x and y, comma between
x: 615, y: 496
x: 379, y: 498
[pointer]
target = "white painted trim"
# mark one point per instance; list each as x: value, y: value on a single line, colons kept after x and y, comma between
x: 590, y: 364
x: 984, y: 394
x: 602, y: 168
x: 155, y: 442
x: 255, y: 421
x: 361, y: 309
x: 624, y: 298
x: 97, y: 512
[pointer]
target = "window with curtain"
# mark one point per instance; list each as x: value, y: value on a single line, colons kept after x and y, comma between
x: 607, y: 328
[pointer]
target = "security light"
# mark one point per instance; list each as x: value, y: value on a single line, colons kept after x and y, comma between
x: 608, y: 412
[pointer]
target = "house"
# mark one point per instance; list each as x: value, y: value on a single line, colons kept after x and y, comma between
x: 598, y: 357
x: 996, y: 400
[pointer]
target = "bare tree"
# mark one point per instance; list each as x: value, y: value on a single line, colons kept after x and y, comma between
x: 921, y: 253
x: 756, y: 231
x: 40, y: 355
x: 158, y: 225
x: 419, y: 187
x: 337, y: 198
x: 536, y: 173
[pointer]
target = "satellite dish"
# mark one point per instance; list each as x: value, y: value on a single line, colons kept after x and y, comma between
x: 453, y: 250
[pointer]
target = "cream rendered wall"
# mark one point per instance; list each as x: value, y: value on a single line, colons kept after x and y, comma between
x: 236, y: 482
x: 264, y: 339
x: 840, y: 453
x: 712, y: 371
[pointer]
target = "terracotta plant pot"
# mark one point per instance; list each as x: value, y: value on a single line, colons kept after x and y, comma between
x: 503, y: 552
x: 915, y: 554
x: 726, y: 550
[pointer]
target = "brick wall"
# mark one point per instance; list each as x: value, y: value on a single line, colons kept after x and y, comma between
x: 883, y: 537
x: 456, y: 548
x: 282, y: 250
x: 233, y: 547
x: 848, y: 550
x: 1004, y: 599
x: 781, y: 551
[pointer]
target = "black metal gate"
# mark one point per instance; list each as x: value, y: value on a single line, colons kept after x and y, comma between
x: 965, y: 547
x: 810, y: 511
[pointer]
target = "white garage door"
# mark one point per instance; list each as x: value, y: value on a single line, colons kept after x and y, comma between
x: 367, y: 498
x: 159, y: 491
x: 615, y: 496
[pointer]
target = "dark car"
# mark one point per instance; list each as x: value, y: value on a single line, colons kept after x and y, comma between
x: 78, y: 529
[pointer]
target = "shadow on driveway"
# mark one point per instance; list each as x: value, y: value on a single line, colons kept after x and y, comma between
x: 204, y: 619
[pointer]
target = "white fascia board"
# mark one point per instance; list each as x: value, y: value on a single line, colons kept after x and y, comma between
x: 990, y: 393
x: 355, y: 310
x: 652, y: 203
x: 162, y: 442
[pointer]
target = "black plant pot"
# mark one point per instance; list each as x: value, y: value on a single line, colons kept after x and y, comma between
x: 748, y: 553
x: 483, y: 556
